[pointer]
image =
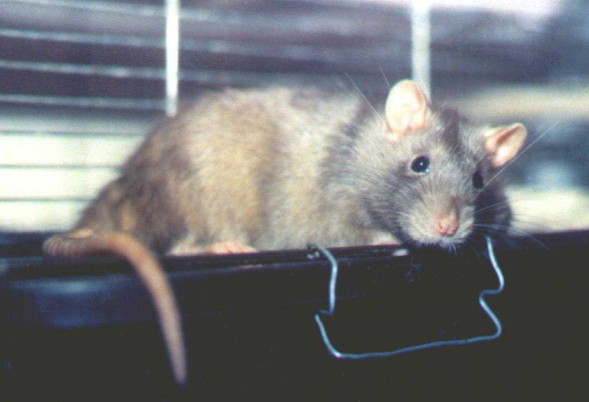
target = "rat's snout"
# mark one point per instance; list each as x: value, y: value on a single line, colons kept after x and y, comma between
x: 446, y: 224
x: 442, y: 220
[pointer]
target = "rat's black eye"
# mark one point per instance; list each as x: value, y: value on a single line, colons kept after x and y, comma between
x: 477, y: 181
x: 420, y: 164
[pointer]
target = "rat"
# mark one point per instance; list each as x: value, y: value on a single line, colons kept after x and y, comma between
x: 241, y: 170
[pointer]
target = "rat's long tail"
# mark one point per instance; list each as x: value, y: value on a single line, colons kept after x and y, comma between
x: 85, y: 242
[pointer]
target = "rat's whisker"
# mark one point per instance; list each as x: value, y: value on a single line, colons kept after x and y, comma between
x: 386, y: 80
x: 512, y: 230
x: 378, y: 115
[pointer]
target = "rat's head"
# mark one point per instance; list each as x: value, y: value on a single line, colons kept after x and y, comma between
x: 439, y: 170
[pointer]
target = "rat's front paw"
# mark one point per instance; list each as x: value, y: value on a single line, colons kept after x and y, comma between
x: 228, y: 247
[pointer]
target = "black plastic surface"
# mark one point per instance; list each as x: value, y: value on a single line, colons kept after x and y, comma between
x: 68, y: 329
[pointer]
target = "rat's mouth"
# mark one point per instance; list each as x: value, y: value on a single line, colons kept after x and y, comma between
x: 420, y: 239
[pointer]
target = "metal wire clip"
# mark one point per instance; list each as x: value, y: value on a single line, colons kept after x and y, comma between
x: 332, y: 303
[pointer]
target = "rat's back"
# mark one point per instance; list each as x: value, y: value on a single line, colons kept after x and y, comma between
x: 235, y: 165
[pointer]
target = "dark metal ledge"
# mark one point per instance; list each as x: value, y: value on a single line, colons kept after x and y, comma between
x: 104, y: 291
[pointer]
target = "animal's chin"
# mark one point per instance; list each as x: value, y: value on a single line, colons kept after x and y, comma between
x: 443, y: 244
x: 438, y: 242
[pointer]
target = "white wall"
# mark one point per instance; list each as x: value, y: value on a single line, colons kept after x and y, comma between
x: 53, y: 161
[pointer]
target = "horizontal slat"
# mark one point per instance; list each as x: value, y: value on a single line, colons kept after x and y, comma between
x: 139, y: 51
x: 63, y: 120
x: 24, y: 87
x: 202, y: 76
x: 39, y: 215
x: 50, y: 150
x: 147, y: 73
x: 52, y: 183
x: 83, y: 38
x: 563, y: 101
x: 84, y: 102
x: 547, y: 210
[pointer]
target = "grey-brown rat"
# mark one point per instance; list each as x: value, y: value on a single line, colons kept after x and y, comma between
x: 281, y: 168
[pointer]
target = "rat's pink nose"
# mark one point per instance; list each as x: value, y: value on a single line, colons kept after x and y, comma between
x: 447, y: 224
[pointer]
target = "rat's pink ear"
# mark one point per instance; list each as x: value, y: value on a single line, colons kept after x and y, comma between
x: 504, y: 142
x: 406, y: 109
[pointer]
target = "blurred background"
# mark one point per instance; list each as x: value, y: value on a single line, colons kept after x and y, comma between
x: 81, y: 83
